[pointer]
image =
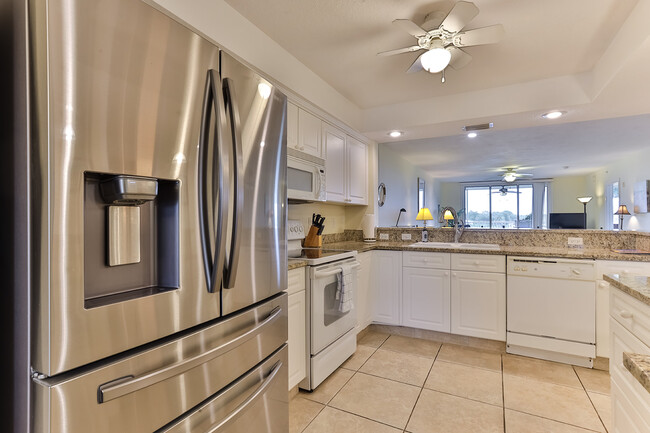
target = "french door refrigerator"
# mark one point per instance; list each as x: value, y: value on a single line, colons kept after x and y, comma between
x: 158, y: 215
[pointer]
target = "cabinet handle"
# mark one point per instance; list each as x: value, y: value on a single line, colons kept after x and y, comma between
x: 576, y: 272
x: 425, y: 260
x: 626, y: 314
x: 454, y: 274
x: 603, y: 285
x: 476, y: 262
x: 446, y: 274
x: 302, y: 147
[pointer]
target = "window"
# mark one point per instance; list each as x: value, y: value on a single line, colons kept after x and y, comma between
x: 615, y: 204
x: 509, y: 206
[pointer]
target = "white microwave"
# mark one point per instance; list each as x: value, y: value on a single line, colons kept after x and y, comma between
x: 305, y: 177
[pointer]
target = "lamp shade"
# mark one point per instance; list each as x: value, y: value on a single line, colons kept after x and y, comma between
x: 448, y: 215
x: 622, y: 210
x: 424, y: 215
x: 435, y: 60
x: 584, y: 200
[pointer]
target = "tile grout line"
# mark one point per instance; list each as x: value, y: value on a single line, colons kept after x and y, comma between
x: 556, y: 421
x: 503, y: 394
x: 422, y: 388
x: 590, y: 400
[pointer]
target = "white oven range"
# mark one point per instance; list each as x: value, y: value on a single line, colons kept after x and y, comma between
x: 331, y: 335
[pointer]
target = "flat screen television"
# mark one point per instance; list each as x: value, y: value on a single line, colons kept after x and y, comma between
x: 566, y: 221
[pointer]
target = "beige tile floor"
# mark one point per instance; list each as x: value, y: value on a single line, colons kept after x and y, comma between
x: 398, y: 384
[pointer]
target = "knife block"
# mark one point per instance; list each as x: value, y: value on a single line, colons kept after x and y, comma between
x: 312, y: 240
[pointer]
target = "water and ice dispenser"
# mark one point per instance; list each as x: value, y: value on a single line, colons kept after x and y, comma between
x: 130, y: 237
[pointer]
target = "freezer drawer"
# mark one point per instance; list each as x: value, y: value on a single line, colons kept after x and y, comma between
x: 146, y: 390
x: 257, y: 402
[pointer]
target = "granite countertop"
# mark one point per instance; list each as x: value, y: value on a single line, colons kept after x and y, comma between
x: 639, y: 366
x: 634, y: 285
x: 296, y: 263
x: 573, y: 253
x: 531, y: 251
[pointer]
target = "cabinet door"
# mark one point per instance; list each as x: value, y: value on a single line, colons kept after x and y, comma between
x: 425, y: 299
x: 478, y: 304
x: 297, y: 334
x: 310, y: 134
x: 357, y: 171
x: 335, y: 166
x: 364, y: 295
x: 292, y: 126
x: 387, y: 279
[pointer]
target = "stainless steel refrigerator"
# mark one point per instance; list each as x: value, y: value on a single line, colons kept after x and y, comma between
x: 157, y: 222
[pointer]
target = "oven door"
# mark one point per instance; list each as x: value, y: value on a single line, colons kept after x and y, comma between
x: 328, y: 323
x: 305, y: 180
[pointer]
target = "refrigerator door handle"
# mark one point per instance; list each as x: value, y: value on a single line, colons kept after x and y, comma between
x: 125, y: 385
x: 230, y: 101
x: 250, y: 400
x: 212, y: 260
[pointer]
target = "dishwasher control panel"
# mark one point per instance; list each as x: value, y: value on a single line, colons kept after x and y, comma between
x: 546, y: 267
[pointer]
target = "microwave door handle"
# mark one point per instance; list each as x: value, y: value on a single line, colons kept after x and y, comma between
x: 230, y: 101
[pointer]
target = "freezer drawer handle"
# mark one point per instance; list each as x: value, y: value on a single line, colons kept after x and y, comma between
x: 239, y: 410
x: 125, y: 385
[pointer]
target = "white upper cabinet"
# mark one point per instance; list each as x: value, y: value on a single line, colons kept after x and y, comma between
x: 346, y: 169
x: 357, y: 171
x: 292, y: 126
x: 310, y: 139
x: 304, y: 131
x: 335, y: 166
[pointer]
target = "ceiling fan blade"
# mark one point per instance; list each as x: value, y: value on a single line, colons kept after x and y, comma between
x: 410, y: 27
x: 459, y: 58
x: 482, y: 36
x: 416, y: 66
x: 399, y: 51
x: 461, y: 14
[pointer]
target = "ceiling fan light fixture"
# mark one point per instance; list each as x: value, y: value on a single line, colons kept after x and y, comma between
x: 435, y: 60
x: 509, y: 177
x: 395, y: 134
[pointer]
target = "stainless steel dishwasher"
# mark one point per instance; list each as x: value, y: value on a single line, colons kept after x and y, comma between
x: 551, y: 309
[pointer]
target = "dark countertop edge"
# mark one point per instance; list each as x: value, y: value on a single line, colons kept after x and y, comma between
x: 620, y: 283
x: 639, y: 366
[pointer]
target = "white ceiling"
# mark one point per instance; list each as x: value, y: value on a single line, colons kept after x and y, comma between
x: 588, y: 57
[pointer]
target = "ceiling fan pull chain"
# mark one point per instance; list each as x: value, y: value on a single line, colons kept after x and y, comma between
x: 443, y: 75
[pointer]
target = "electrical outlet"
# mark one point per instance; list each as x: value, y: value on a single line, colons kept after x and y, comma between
x: 383, y: 236
x: 406, y: 236
x: 575, y: 242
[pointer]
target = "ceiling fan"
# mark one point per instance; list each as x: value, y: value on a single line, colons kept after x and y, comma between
x: 443, y: 39
x: 510, y: 174
x: 504, y: 190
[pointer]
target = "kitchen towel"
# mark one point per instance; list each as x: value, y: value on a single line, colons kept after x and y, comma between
x: 344, y: 289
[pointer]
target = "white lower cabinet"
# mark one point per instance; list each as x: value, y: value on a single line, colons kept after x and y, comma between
x: 478, y: 304
x: 387, y: 278
x: 297, y: 326
x: 629, y: 332
x: 425, y: 298
x: 365, y: 292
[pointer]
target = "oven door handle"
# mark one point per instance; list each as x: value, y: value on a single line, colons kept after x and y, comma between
x: 128, y: 384
x: 322, y: 274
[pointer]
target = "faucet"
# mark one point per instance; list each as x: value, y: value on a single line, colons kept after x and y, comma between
x: 399, y: 215
x: 459, y: 224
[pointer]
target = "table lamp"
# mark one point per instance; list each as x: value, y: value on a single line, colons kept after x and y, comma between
x: 622, y: 210
x: 424, y: 215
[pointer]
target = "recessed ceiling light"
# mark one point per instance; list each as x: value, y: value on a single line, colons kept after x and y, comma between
x: 472, y: 134
x: 553, y: 114
x: 395, y: 134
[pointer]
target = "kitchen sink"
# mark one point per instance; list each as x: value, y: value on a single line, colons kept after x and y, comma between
x: 462, y: 246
